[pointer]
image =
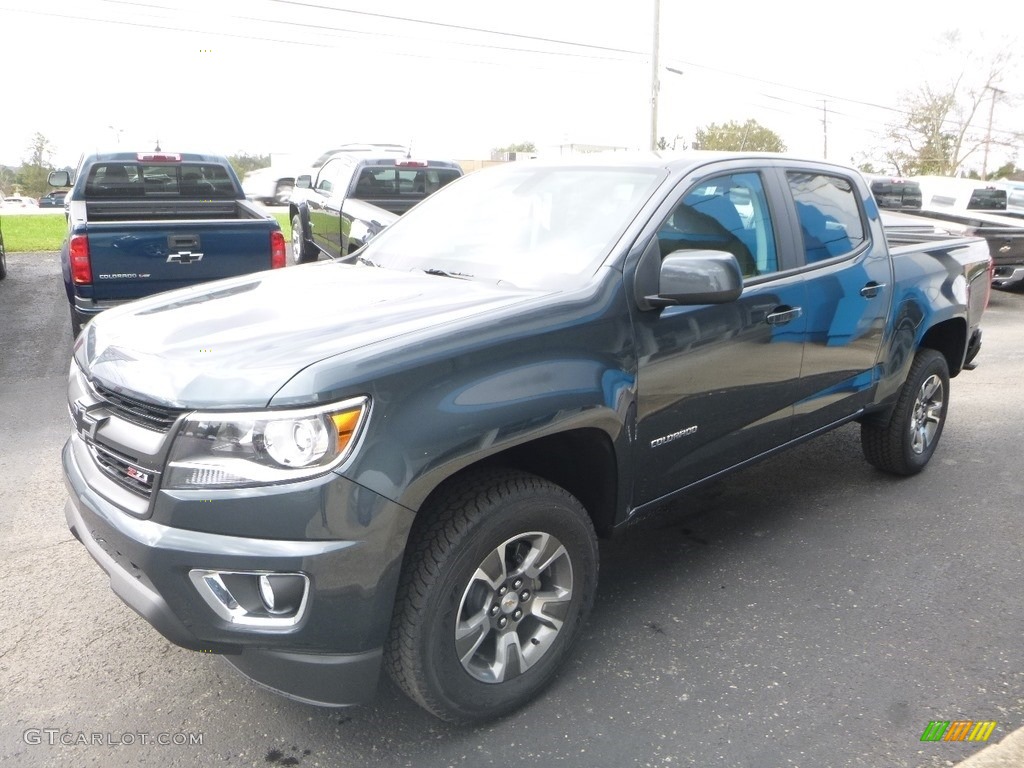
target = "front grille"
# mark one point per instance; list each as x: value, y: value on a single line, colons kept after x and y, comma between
x: 156, y: 417
x: 124, y: 470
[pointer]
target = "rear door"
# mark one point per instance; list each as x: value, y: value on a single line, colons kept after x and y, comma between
x: 849, y: 292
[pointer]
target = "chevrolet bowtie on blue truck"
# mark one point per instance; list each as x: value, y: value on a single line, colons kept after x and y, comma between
x: 405, y: 458
x: 144, y: 222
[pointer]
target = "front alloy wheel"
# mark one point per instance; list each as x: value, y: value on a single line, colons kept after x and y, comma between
x: 499, y: 576
x: 514, y: 607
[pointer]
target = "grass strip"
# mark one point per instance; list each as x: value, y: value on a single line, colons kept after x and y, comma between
x: 46, y: 232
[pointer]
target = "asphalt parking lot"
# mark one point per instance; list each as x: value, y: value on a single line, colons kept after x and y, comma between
x: 809, y: 611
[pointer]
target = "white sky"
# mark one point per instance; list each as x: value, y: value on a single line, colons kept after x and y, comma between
x: 261, y: 76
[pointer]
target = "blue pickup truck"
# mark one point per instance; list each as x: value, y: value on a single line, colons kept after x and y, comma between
x: 144, y: 222
x: 405, y: 462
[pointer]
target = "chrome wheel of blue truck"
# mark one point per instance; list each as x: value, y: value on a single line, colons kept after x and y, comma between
x: 493, y: 595
x: 904, y: 445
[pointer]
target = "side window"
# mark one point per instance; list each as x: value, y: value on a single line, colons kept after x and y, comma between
x: 726, y: 213
x: 331, y: 177
x: 829, y: 215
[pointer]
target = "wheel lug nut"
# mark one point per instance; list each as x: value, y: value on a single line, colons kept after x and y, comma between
x: 494, y: 610
x: 502, y: 590
x: 525, y: 595
x: 517, y: 615
x: 502, y: 622
x: 517, y: 583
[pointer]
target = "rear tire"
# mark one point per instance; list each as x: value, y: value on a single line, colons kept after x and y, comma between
x: 906, y: 443
x: 303, y: 251
x: 3, y: 263
x: 499, y: 576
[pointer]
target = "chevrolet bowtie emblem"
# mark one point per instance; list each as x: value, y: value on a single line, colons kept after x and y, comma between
x: 185, y: 257
x: 85, y: 422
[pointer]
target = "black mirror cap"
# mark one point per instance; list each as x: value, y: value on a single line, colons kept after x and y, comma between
x: 698, y: 277
x: 305, y: 181
x: 59, y: 179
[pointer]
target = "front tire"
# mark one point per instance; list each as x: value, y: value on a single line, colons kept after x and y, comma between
x: 906, y: 443
x: 499, y: 577
x: 303, y: 251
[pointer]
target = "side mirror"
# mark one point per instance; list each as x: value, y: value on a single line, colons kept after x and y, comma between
x: 698, y: 277
x: 305, y: 181
x: 59, y: 179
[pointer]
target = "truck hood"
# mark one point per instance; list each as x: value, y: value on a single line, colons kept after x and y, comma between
x: 234, y: 343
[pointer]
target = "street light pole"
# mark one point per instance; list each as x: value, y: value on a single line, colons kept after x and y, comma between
x: 655, y: 66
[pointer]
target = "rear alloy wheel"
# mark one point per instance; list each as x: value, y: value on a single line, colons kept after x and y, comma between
x: 906, y: 443
x: 303, y: 251
x: 496, y: 585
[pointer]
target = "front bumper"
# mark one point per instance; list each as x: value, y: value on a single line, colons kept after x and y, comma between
x: 332, y: 655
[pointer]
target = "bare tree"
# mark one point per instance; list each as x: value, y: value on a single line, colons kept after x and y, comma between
x: 945, y: 125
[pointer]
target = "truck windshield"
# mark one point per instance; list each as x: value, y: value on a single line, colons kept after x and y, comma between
x: 530, y: 226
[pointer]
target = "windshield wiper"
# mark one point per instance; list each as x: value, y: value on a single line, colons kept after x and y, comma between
x: 446, y: 273
x: 367, y: 262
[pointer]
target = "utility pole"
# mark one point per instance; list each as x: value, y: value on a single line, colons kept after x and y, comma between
x: 824, y: 127
x: 988, y: 134
x: 655, y: 66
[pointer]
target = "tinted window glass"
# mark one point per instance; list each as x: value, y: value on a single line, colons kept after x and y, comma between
x: 988, y: 200
x: 377, y: 182
x: 726, y: 213
x: 187, y: 180
x: 896, y: 194
x: 829, y: 215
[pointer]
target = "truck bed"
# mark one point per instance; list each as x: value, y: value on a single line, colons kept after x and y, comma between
x: 170, y: 210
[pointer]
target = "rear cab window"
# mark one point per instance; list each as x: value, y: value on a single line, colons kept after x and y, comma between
x: 828, y: 213
x: 380, y: 182
x: 194, y: 181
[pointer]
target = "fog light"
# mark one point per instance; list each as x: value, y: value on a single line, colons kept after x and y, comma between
x: 281, y: 593
x: 252, y: 598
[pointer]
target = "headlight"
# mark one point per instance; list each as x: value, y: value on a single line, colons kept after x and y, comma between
x: 238, y: 449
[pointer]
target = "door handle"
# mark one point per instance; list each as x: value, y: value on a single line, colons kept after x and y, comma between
x: 871, y: 290
x: 783, y: 315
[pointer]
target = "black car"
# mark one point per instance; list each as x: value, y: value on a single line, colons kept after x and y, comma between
x: 53, y: 199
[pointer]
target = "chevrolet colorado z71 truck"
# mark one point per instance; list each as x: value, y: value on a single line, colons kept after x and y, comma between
x: 141, y: 223
x: 407, y: 460
x: 356, y: 195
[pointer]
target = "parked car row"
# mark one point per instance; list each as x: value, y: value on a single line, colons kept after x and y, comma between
x: 966, y: 207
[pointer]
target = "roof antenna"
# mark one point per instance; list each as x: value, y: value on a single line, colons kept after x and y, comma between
x: 157, y: 145
x: 408, y: 150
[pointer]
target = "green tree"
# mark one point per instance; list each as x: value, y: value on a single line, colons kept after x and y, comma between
x: 498, y: 153
x: 243, y: 162
x: 31, y: 177
x: 750, y: 136
x: 942, y: 125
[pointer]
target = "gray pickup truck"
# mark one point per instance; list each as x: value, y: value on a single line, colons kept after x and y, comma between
x: 355, y: 195
x: 407, y: 461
